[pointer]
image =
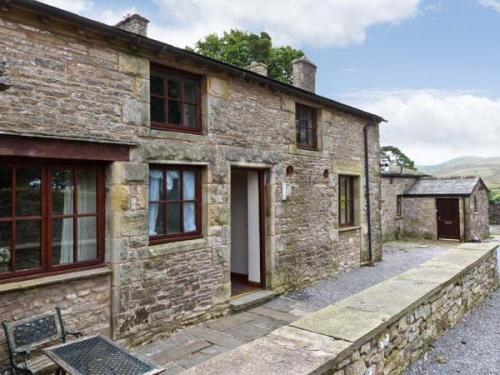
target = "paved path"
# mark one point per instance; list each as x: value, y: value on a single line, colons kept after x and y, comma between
x: 471, y: 347
x: 191, y: 346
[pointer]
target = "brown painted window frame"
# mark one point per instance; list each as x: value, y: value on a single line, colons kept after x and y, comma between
x: 349, y: 206
x: 314, y: 114
x: 46, y: 218
x: 165, y: 72
x: 182, y: 236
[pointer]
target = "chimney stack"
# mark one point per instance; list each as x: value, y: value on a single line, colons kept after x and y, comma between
x: 135, y: 24
x: 257, y: 67
x: 304, y: 74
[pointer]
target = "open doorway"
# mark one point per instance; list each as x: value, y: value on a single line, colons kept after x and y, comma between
x: 247, y: 231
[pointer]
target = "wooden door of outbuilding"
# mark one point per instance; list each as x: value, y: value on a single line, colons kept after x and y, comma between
x: 448, y: 218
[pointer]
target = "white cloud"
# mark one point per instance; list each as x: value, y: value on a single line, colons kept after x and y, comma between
x: 75, y: 6
x: 433, y: 126
x: 299, y: 22
x: 495, y: 4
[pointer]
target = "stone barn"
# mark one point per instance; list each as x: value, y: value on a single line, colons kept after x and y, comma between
x: 416, y: 205
x: 143, y: 186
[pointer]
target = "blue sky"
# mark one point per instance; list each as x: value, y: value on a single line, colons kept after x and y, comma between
x: 431, y: 68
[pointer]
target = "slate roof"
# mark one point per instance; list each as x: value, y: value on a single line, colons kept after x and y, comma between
x: 443, y: 186
x: 393, y: 171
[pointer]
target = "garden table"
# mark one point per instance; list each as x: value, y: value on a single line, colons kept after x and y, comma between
x: 97, y: 355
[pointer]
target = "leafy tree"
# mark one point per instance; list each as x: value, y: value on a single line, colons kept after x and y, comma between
x: 241, y: 48
x: 391, y: 155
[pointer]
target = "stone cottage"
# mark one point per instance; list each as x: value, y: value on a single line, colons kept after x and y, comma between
x: 143, y: 185
x: 416, y: 205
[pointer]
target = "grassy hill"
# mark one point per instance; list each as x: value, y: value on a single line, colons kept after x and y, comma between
x: 487, y: 168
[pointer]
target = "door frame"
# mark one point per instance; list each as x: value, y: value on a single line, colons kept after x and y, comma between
x: 262, y: 221
x: 459, y: 232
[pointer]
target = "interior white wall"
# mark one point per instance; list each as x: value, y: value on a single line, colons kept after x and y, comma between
x: 253, y: 227
x: 239, y: 223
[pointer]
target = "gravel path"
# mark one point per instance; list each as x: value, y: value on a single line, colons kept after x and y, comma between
x: 398, y: 257
x: 471, y: 347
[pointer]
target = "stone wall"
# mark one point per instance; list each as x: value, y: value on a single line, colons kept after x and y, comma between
x: 391, y: 187
x: 84, y: 86
x: 84, y: 305
x: 477, y: 223
x: 419, y: 217
x: 348, y: 247
x: 494, y: 213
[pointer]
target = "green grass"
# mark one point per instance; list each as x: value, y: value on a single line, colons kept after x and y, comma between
x: 495, y: 195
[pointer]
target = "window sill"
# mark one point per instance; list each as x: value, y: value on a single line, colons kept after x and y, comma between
x: 54, y: 279
x: 318, y: 152
x: 349, y: 228
x: 177, y: 246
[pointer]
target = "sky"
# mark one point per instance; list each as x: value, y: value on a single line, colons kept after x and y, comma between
x: 430, y: 67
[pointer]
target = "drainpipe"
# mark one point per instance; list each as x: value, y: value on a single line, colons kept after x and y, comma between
x: 367, y: 194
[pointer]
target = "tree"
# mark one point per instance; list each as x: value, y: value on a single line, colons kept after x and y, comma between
x: 391, y: 155
x: 241, y: 49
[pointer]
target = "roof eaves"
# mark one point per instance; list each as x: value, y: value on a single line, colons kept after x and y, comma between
x: 158, y: 46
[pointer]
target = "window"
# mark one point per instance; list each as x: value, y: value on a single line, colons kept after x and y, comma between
x: 476, y: 206
x: 398, y: 206
x: 305, y: 125
x: 175, y: 101
x: 346, y: 201
x: 174, y: 203
x: 51, y: 217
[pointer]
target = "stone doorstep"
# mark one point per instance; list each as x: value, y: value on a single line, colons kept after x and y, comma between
x: 313, y: 343
x: 250, y: 300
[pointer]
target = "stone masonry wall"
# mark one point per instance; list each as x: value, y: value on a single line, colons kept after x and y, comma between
x: 348, y: 246
x: 419, y: 217
x: 406, y: 340
x: 83, y: 86
x: 477, y: 219
x: 391, y: 187
x: 84, y: 305
x: 494, y: 212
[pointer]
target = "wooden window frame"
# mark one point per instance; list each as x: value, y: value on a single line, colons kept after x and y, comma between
x: 46, y: 218
x: 182, y: 236
x: 163, y: 71
x: 314, y: 111
x: 349, y: 187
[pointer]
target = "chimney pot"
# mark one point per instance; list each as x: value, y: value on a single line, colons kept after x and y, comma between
x: 304, y: 74
x: 134, y: 23
x: 257, y: 67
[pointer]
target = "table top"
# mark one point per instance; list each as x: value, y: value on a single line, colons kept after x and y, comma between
x: 97, y: 355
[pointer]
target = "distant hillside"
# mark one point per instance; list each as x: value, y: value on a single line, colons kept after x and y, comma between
x: 487, y: 168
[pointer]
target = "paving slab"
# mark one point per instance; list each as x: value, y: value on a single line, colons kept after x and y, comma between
x: 342, y: 322
x: 249, y: 300
x: 275, y: 314
x: 215, y: 337
x: 287, y: 350
x: 231, y: 321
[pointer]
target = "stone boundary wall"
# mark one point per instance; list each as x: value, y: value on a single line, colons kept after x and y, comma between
x: 381, y: 330
x: 495, y: 214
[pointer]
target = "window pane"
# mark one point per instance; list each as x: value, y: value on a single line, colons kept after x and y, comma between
x: 87, y: 190
x: 5, y: 192
x: 348, y: 182
x: 156, y: 219
x: 342, y: 188
x: 174, y: 88
x: 28, y: 187
x: 157, y: 109
x: 156, y: 85
x: 28, y: 244
x: 156, y: 185
x: 5, y: 249
x: 189, y: 185
x: 173, y: 186
x: 348, y: 213
x: 189, y: 119
x: 189, y: 217
x: 174, y: 112
x: 342, y: 212
x: 62, y: 241
x: 62, y: 192
x: 189, y: 91
x: 87, y: 238
x: 174, y: 218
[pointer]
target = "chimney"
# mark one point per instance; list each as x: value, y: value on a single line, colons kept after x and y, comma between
x: 304, y: 74
x: 135, y: 24
x: 5, y: 82
x: 257, y: 67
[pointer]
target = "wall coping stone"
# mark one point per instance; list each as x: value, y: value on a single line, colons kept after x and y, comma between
x: 54, y: 279
x: 312, y: 344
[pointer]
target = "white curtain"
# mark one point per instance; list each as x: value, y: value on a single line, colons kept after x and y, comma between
x: 189, y: 186
x: 66, y: 255
x: 87, y: 203
x: 155, y: 181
